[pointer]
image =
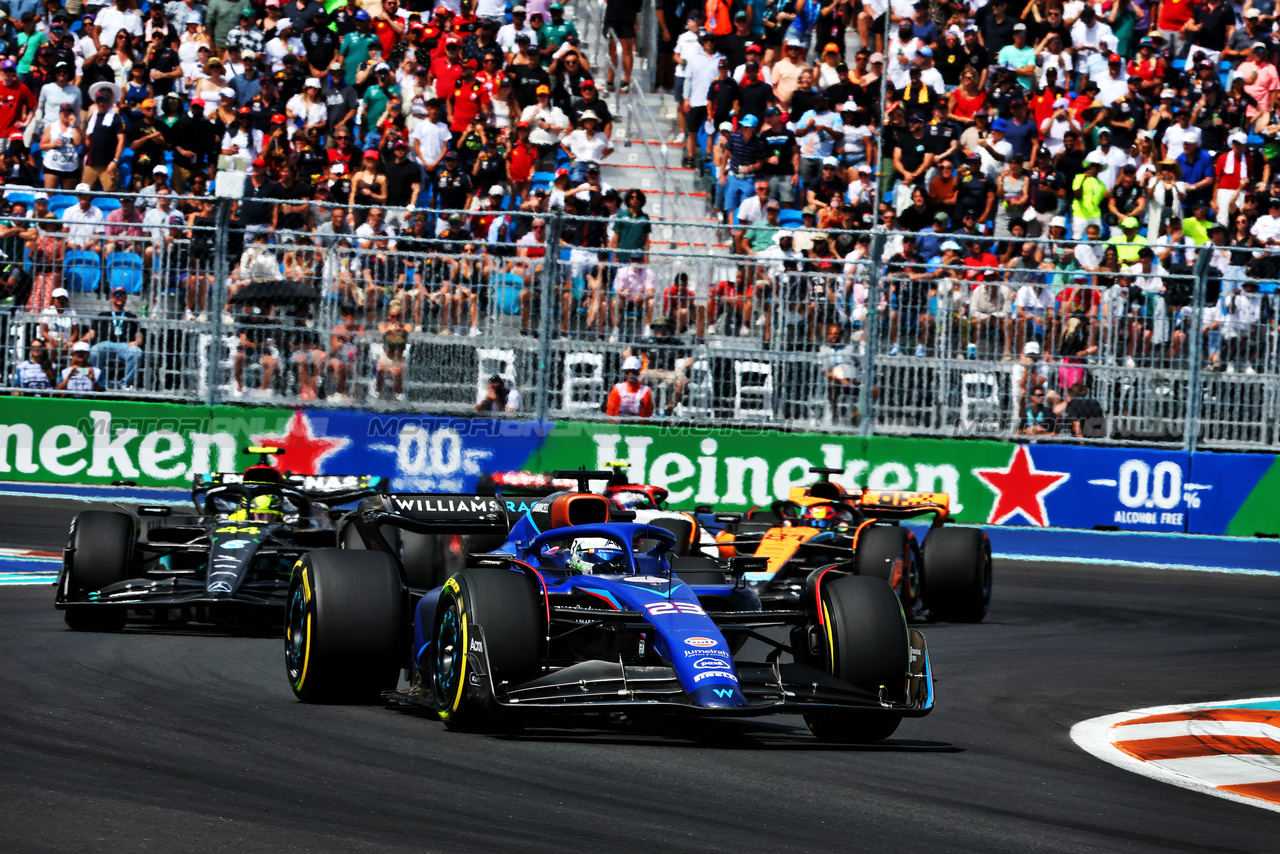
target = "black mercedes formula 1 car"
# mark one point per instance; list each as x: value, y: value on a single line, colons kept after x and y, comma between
x: 228, y: 563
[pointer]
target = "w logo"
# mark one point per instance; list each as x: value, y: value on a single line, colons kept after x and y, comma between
x: 723, y: 693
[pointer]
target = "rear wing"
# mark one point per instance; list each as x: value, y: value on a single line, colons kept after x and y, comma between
x: 900, y: 504
x: 435, y: 513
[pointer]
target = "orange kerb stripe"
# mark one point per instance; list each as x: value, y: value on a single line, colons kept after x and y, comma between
x: 1187, y: 746
x: 1266, y: 716
x: 1261, y: 791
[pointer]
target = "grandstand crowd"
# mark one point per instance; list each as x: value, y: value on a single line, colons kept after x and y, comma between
x: 987, y: 138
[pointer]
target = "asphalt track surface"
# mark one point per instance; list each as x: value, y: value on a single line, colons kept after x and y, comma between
x: 163, y: 741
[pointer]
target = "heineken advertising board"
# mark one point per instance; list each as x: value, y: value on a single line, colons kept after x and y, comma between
x: 996, y: 483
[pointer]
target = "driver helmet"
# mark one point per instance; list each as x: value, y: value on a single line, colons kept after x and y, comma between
x: 263, y: 508
x: 823, y: 516
x: 630, y: 499
x: 587, y: 553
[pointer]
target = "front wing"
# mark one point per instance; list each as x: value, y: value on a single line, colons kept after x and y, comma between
x: 771, y: 687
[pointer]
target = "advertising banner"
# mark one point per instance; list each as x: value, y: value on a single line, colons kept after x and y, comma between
x: 990, y: 483
x: 993, y: 483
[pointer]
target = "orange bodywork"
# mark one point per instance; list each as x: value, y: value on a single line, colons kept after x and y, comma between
x: 779, y: 544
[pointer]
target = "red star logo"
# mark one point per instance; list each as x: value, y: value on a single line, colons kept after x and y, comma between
x: 305, y: 452
x: 1020, y: 488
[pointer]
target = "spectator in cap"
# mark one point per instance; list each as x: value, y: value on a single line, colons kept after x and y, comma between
x: 17, y: 104
x: 1093, y: 41
x: 1231, y: 177
x: 54, y: 94
x: 547, y: 125
x: 1260, y: 78
x: 1087, y: 194
x: 80, y: 376
x: 383, y: 90
x: 1197, y: 169
x: 247, y: 35
x: 60, y: 148
x: 586, y: 144
x: 357, y: 44
x: 786, y: 71
x: 307, y: 109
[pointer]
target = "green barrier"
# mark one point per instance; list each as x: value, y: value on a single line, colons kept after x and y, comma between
x: 100, y: 441
x: 736, y: 469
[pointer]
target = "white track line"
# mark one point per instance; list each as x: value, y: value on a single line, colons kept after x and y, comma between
x: 1096, y: 734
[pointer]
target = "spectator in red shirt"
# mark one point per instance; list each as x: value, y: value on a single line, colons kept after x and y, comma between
x: 344, y: 150
x: 389, y: 27
x: 468, y: 101
x: 520, y: 161
x: 680, y: 306
x: 16, y: 101
x: 977, y: 259
x: 1147, y: 65
x: 445, y: 70
x: 1233, y: 178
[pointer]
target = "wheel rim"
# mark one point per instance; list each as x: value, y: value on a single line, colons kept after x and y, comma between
x: 296, y: 637
x: 449, y: 654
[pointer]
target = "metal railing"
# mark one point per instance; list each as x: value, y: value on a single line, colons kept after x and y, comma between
x: 1015, y: 341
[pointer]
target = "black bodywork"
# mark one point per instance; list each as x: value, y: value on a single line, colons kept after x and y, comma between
x: 209, y: 566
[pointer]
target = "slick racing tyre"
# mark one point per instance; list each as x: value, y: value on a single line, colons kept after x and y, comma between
x: 507, y: 608
x: 880, y: 549
x: 102, y: 544
x: 865, y: 644
x: 344, y: 626
x: 957, y: 573
x: 423, y: 556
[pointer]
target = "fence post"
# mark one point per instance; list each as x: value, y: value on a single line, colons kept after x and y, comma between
x: 217, y: 297
x: 1195, y: 394
x: 546, y: 316
x: 871, y: 330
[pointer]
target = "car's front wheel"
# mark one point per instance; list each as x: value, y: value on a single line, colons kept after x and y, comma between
x: 506, y: 607
x: 865, y: 643
x: 102, y: 543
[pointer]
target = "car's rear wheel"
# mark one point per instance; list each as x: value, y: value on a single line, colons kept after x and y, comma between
x: 424, y: 559
x: 882, y: 549
x: 865, y: 643
x: 344, y: 626
x: 506, y: 607
x: 102, y: 543
x: 957, y: 574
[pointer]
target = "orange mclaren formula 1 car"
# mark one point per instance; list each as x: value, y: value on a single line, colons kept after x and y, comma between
x: 947, y: 576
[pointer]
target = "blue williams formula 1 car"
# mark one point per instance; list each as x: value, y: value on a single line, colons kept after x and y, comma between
x: 580, y: 612
x: 228, y: 563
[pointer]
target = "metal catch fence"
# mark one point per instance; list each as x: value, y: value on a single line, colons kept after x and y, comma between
x: 865, y: 332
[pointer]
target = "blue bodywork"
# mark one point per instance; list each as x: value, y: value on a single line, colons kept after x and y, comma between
x: 638, y: 579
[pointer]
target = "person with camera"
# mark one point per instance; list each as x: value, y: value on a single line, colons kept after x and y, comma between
x: 81, y: 376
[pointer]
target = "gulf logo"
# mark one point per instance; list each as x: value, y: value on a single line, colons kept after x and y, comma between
x: 1229, y: 749
x: 700, y: 642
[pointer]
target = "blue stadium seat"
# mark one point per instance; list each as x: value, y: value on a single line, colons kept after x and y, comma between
x: 790, y: 218
x: 124, y: 270
x: 543, y: 178
x: 16, y: 196
x: 82, y: 271
x: 106, y: 204
x: 59, y: 203
x: 506, y: 294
